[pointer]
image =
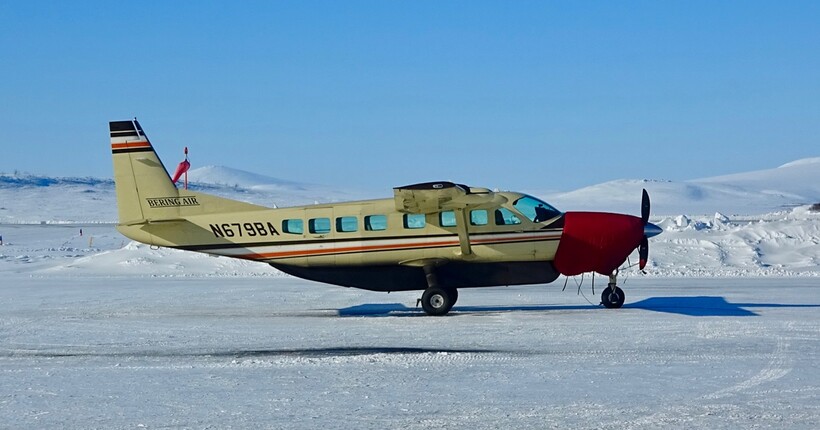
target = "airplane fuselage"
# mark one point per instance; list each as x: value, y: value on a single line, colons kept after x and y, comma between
x: 369, y: 244
x: 433, y: 236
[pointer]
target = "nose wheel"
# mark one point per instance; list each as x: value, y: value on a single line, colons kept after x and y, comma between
x: 612, y: 297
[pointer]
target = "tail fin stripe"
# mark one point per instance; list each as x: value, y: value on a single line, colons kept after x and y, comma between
x: 132, y: 150
x: 124, y: 133
x: 122, y: 126
x: 142, y: 144
x: 119, y: 148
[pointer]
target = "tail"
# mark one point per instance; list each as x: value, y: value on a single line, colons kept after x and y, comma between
x: 141, y: 181
x: 145, y: 192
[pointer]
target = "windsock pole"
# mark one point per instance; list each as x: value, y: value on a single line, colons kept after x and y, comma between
x: 186, y: 171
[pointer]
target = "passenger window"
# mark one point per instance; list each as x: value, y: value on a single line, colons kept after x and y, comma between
x: 293, y: 226
x: 414, y: 221
x: 347, y: 224
x: 478, y: 217
x: 375, y: 222
x: 319, y: 225
x: 447, y: 219
x: 504, y: 216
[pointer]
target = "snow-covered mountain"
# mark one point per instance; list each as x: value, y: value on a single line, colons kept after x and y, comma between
x: 234, y: 178
x: 34, y: 199
x: 757, y: 192
x: 776, y: 234
x: 26, y: 198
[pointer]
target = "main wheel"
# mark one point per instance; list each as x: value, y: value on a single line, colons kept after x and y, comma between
x: 613, y: 298
x: 438, y: 301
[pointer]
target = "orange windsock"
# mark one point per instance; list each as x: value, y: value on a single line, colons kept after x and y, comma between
x: 181, y: 168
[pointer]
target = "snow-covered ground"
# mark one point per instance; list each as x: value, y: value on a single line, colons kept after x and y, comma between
x: 99, y: 332
x: 238, y: 352
x: 722, y: 332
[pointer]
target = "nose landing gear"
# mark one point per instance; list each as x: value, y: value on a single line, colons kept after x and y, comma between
x: 613, y: 297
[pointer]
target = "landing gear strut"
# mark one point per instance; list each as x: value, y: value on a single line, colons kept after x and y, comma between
x: 436, y: 300
x: 613, y: 297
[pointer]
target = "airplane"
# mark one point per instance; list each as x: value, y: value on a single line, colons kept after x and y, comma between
x: 437, y: 237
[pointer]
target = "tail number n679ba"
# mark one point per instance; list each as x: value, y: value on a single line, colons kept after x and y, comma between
x: 251, y: 229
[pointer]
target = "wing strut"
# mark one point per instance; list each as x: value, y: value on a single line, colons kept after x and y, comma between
x: 463, y: 233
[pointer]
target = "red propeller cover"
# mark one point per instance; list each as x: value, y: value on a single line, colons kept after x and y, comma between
x: 596, y: 242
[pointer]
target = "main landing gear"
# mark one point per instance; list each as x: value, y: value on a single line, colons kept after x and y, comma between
x: 436, y: 300
x: 613, y: 297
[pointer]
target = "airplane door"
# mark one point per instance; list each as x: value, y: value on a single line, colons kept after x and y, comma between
x: 355, y: 230
x: 319, y: 232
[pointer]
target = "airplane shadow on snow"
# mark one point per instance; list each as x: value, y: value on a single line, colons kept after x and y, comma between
x: 696, y: 306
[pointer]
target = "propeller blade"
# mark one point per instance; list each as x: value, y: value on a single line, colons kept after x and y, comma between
x: 643, y: 253
x: 645, y: 207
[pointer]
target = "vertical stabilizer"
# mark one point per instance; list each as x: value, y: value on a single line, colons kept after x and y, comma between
x: 142, y: 184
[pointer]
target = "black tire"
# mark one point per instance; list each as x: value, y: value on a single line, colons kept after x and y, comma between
x: 613, y: 299
x: 438, y: 301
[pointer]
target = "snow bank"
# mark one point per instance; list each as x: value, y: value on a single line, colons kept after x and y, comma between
x: 776, y: 244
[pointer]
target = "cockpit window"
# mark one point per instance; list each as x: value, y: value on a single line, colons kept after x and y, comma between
x: 536, y: 210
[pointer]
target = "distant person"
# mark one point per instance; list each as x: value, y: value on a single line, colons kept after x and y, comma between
x: 81, y: 232
x: 541, y: 213
x: 1, y: 239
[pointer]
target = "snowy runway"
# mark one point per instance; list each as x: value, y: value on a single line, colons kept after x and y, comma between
x: 123, y: 352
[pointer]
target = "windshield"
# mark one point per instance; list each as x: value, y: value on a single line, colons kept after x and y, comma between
x: 536, y: 210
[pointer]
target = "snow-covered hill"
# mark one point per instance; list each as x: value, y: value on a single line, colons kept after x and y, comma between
x: 28, y: 198
x: 792, y: 184
x: 234, y: 178
x: 775, y: 234
x: 34, y: 199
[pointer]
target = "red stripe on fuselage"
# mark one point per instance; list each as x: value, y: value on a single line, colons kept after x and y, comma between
x: 388, y: 247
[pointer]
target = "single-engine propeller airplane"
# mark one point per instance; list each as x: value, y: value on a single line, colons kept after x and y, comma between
x: 436, y: 236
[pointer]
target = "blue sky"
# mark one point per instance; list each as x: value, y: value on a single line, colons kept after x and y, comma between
x: 516, y: 95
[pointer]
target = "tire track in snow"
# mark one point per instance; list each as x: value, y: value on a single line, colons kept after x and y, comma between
x: 779, y: 366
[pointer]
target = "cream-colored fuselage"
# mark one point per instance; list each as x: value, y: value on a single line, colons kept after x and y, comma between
x: 344, y: 237
x: 437, y: 234
x: 433, y: 236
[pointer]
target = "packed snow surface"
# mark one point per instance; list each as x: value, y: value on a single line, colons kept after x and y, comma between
x: 238, y: 352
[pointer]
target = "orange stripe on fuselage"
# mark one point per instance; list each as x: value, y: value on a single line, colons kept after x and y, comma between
x: 307, y: 252
x: 127, y: 145
x: 343, y: 250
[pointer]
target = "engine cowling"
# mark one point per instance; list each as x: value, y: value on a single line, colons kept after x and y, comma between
x: 597, y: 242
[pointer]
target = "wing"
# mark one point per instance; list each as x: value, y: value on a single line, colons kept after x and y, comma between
x: 432, y: 197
